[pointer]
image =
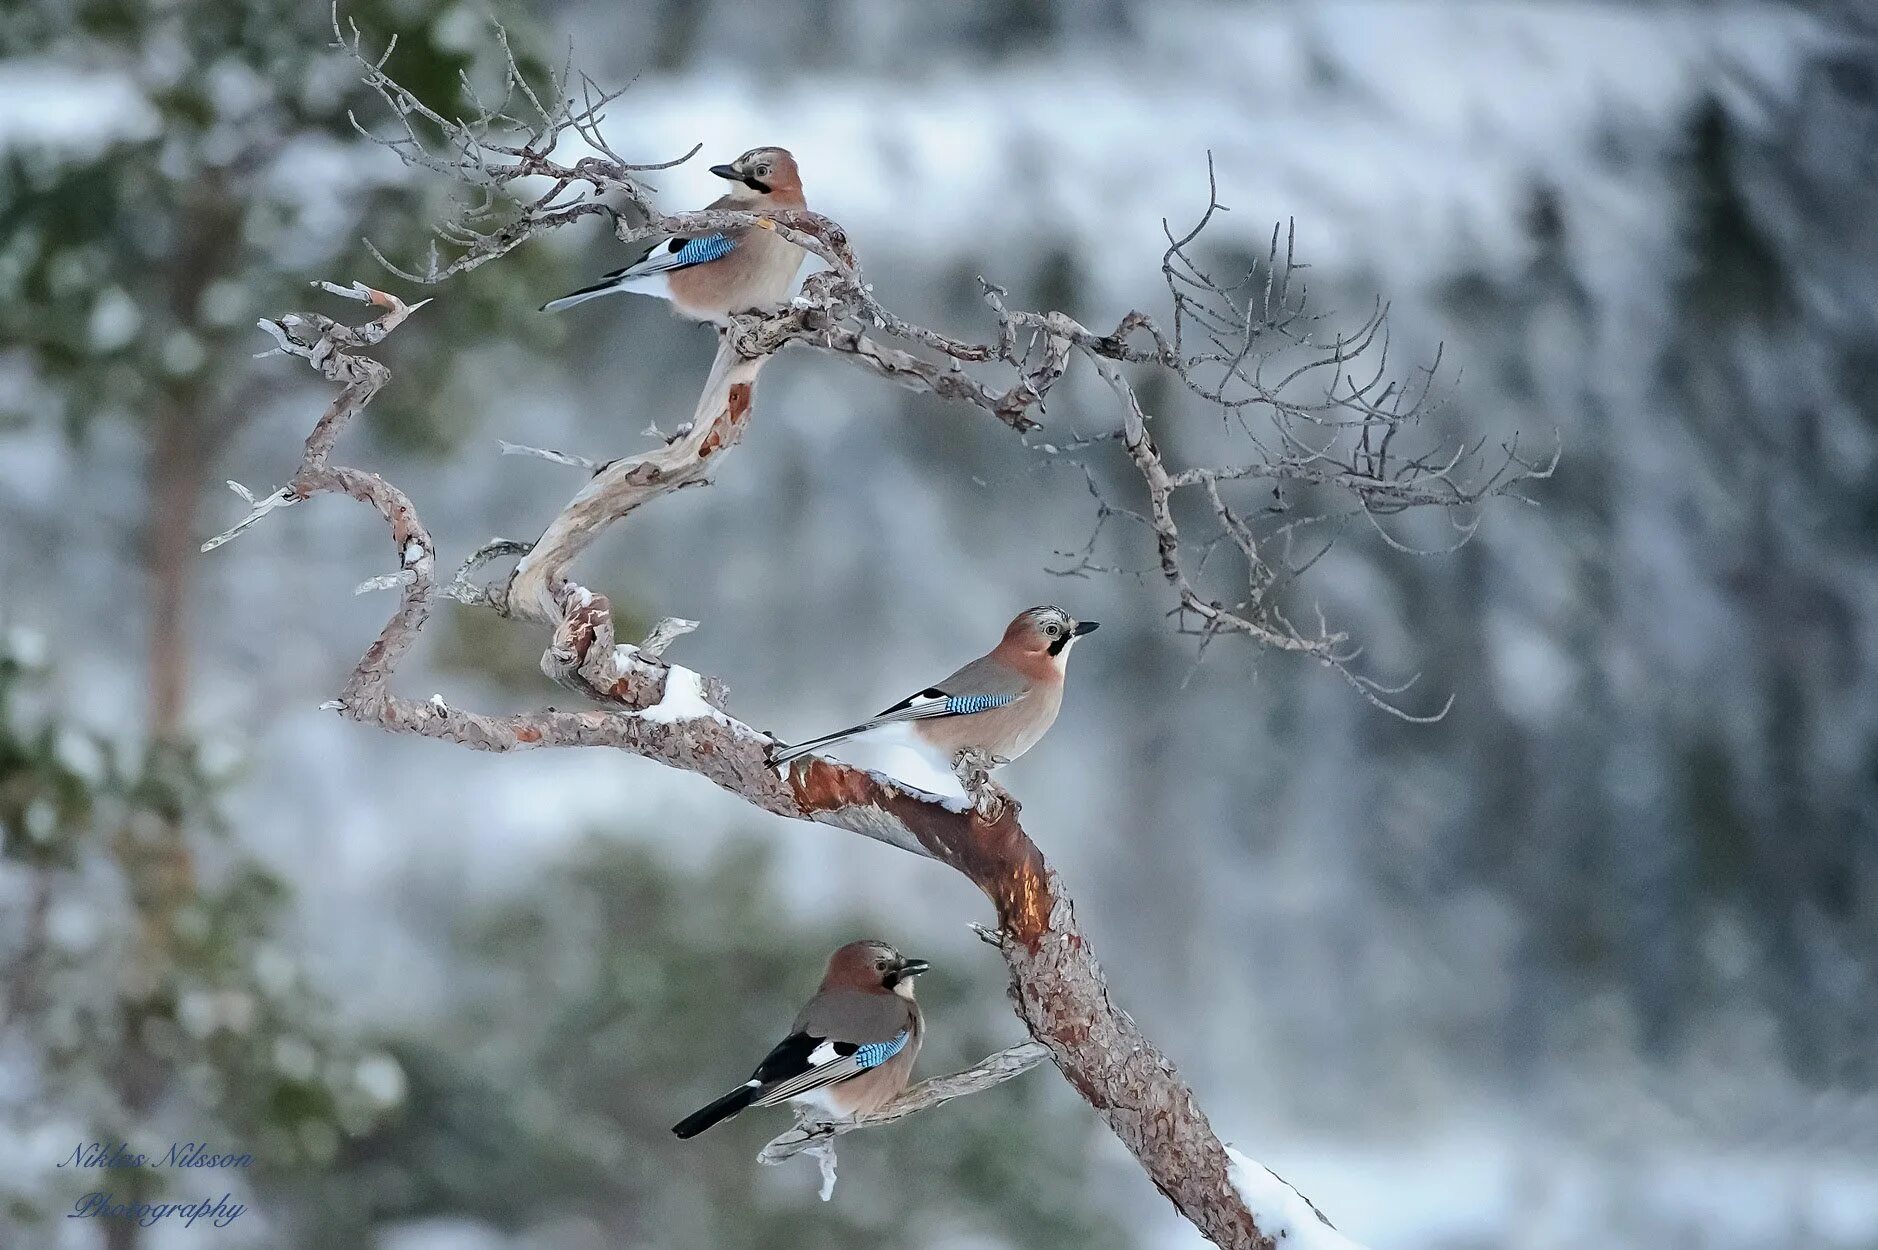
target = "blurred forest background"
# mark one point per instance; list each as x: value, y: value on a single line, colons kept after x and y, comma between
x: 1592, y: 961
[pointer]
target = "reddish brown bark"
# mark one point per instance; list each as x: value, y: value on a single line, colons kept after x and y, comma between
x: 1061, y: 995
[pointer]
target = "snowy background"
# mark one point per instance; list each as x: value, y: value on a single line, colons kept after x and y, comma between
x: 1593, y: 961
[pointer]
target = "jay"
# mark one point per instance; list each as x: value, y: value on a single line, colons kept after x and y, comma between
x: 707, y: 277
x: 851, y: 1048
x: 999, y: 705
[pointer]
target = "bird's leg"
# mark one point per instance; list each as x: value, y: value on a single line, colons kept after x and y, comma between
x: 973, y: 766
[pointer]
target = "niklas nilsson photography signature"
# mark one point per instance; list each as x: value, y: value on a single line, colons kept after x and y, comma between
x: 103, y: 1204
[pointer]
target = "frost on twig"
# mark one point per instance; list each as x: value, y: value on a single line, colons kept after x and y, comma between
x: 334, y: 349
x: 384, y: 581
x: 824, y: 1155
x: 466, y: 592
x: 550, y: 455
x: 323, y: 342
x: 669, y: 630
x: 257, y: 509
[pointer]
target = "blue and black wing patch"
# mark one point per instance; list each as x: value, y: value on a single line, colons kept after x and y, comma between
x: 829, y: 1062
x: 678, y: 253
x: 799, y: 1063
x: 873, y: 1054
x: 936, y: 702
x: 927, y: 704
x: 971, y: 704
x: 698, y: 251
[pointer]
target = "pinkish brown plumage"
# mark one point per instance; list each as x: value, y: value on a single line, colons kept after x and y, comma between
x: 999, y: 704
x: 850, y: 1050
x: 710, y: 276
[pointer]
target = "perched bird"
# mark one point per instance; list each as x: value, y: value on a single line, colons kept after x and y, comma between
x: 1000, y: 703
x: 851, y: 1048
x: 709, y: 276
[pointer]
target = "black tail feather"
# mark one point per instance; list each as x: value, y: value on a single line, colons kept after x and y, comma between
x: 730, y: 1104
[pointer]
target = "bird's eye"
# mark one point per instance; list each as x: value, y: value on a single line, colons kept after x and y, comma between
x: 1053, y: 630
x: 880, y: 965
x: 762, y: 171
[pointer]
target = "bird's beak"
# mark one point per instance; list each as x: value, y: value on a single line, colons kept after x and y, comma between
x: 1082, y: 627
x: 912, y: 968
x: 731, y: 173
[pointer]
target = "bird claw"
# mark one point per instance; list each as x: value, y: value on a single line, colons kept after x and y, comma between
x: 973, y: 766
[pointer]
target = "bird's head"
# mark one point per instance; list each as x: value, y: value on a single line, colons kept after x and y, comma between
x: 873, y: 966
x: 763, y: 178
x: 1045, y: 633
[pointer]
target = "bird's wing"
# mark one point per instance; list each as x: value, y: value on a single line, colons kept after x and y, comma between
x: 679, y: 252
x: 980, y: 686
x: 804, y: 1062
x: 983, y: 684
x: 682, y: 251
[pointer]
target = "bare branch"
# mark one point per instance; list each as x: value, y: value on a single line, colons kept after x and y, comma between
x: 551, y: 456
x: 993, y: 1069
x: 331, y: 348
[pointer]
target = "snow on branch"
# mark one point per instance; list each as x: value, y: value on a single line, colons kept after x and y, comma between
x: 1284, y: 1214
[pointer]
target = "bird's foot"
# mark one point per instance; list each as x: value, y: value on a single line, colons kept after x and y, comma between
x: 972, y: 766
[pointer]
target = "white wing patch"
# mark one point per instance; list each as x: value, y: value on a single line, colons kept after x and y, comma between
x: 921, y: 706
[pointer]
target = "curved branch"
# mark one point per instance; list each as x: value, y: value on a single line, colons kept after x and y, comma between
x: 1329, y: 424
x: 673, y: 715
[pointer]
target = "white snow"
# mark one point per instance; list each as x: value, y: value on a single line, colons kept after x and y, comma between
x: 683, y: 700
x: 295, y: 1058
x: 80, y: 755
x: 1283, y: 1214
x: 380, y: 1078
x: 896, y: 752
x: 70, y: 108
x: 114, y: 322
x: 25, y: 647
x: 444, y: 1233
x: 413, y: 552
x: 1477, y: 88
x: 73, y: 926
x: 42, y: 820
